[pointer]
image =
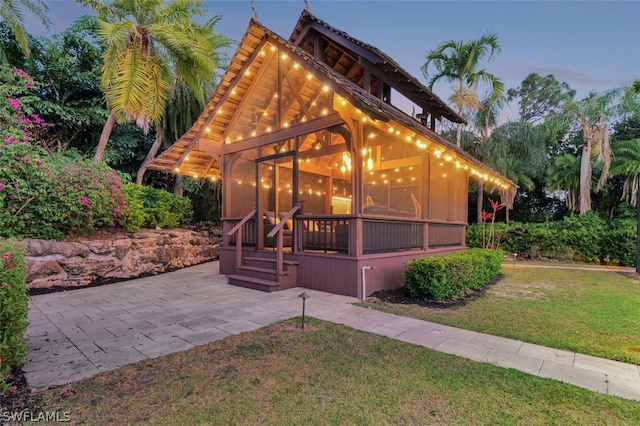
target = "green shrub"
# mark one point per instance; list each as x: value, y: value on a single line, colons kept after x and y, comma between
x: 618, y: 243
x: 583, y: 233
x: 586, y: 238
x: 14, y: 304
x: 159, y: 208
x: 51, y: 196
x: 449, y: 276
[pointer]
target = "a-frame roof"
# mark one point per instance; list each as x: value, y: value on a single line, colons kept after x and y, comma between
x: 363, y: 56
x: 199, y: 151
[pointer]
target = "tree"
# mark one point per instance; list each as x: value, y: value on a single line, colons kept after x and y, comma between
x: 71, y: 99
x: 540, y: 97
x: 458, y: 62
x: 11, y: 14
x: 181, y: 112
x: 486, y: 119
x: 147, y: 42
x: 593, y: 114
x: 518, y: 151
x: 184, y: 106
x: 563, y: 174
x: 627, y: 164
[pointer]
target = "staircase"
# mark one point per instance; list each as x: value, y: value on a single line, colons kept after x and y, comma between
x: 261, y: 273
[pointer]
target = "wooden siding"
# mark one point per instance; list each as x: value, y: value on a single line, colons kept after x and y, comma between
x: 444, y: 234
x: 338, y: 273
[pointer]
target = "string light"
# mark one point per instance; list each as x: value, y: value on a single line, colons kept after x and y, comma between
x: 402, y: 133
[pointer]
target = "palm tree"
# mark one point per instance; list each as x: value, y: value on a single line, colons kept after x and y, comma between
x: 181, y: 112
x: 11, y: 14
x: 627, y: 164
x: 593, y: 114
x: 563, y: 174
x: 146, y: 43
x: 457, y: 62
x: 518, y: 151
x: 486, y: 119
x: 184, y: 105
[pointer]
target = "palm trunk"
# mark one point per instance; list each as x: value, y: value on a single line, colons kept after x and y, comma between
x: 177, y: 186
x: 459, y: 125
x: 104, y: 137
x: 151, y: 155
x: 585, y: 178
x: 458, y: 133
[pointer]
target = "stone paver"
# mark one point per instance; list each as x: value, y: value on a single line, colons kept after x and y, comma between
x: 80, y: 333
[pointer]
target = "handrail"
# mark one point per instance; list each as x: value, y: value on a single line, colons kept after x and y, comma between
x: 283, y: 221
x: 238, y: 229
x: 279, y: 229
x: 242, y: 222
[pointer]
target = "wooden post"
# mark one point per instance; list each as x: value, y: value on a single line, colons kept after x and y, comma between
x: 280, y: 256
x: 238, y: 249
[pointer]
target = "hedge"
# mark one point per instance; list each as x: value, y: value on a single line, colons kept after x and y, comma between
x: 452, y: 275
x: 14, y: 304
x: 583, y: 238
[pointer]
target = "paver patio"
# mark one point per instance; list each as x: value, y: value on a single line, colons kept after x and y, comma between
x: 77, y: 334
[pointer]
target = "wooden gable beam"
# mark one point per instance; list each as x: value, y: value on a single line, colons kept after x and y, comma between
x: 222, y: 100
x: 303, y: 34
x: 310, y: 126
x: 305, y: 108
x: 341, y: 41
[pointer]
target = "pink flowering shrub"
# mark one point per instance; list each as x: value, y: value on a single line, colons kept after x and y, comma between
x: 16, y: 124
x: 50, y: 196
x: 14, y: 304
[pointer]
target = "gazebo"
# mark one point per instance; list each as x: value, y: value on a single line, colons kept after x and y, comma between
x: 323, y: 177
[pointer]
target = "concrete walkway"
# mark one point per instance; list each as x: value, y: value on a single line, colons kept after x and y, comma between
x: 80, y: 333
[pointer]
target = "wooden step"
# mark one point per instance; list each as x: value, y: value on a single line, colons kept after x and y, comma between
x: 270, y: 274
x: 266, y: 262
x: 253, y: 283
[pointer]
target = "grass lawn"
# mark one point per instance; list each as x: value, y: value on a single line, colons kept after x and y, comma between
x: 327, y: 374
x: 590, y: 312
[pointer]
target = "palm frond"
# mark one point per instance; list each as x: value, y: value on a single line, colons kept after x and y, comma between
x: 627, y: 163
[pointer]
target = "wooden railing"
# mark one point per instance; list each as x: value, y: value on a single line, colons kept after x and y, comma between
x: 238, y: 231
x: 384, y: 236
x: 324, y: 233
x: 279, y: 229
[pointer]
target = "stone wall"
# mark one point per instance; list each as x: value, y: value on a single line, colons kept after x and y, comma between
x: 57, y: 264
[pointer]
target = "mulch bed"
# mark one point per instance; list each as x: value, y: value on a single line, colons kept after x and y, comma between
x: 22, y: 399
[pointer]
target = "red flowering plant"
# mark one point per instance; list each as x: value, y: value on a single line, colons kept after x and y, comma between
x: 488, y: 241
x: 14, y: 303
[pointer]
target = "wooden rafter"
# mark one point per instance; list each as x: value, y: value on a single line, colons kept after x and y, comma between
x: 248, y: 94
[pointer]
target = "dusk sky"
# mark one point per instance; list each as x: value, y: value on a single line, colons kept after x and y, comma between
x: 592, y: 45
